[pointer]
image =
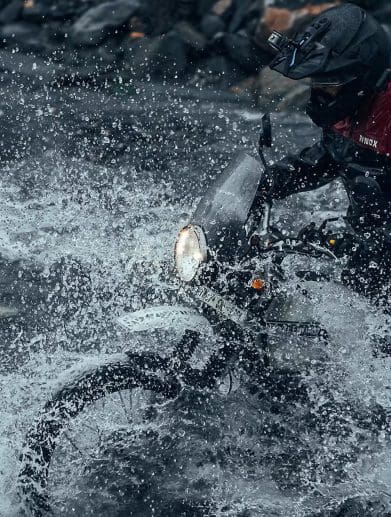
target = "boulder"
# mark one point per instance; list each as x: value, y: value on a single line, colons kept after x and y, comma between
x: 221, y: 73
x: 371, y: 5
x: 211, y: 25
x: 48, y: 10
x: 139, y: 57
x: 99, y: 22
x: 12, y: 12
x: 26, y: 36
x: 170, y: 56
x: 190, y: 36
x: 241, y: 50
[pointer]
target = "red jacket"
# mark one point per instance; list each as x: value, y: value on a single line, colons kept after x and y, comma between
x: 373, y: 128
x: 354, y: 149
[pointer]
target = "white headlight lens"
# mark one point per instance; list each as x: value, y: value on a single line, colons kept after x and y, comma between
x: 190, y: 252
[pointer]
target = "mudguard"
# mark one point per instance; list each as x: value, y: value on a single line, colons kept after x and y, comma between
x: 176, y: 318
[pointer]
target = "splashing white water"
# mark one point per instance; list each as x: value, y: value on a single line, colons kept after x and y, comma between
x: 114, y: 227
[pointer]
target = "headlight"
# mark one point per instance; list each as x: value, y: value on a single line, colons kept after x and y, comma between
x: 190, y: 252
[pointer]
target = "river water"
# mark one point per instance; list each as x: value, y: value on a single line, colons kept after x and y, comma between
x: 93, y: 190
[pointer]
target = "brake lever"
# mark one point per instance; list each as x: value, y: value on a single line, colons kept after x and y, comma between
x: 322, y: 250
x: 293, y: 246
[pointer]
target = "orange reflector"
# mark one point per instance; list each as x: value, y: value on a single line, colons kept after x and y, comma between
x: 332, y: 242
x: 258, y: 284
x: 136, y: 35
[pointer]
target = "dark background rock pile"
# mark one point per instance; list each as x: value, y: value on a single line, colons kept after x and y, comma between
x: 218, y: 45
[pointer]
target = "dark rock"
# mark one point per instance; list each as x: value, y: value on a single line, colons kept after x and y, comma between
x: 218, y: 72
x: 163, y: 57
x: 297, y: 4
x: 12, y: 12
x: 240, y: 11
x: 167, y: 56
x: 158, y: 16
x: 186, y: 9
x: 98, y: 22
x: 204, y: 6
x: 26, y: 36
x: 383, y: 15
x: 191, y: 36
x: 137, y: 57
x: 241, y: 50
x: 371, y: 5
x: 211, y: 25
x: 170, y: 57
x: 45, y: 10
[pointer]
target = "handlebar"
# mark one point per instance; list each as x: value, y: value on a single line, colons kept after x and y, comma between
x: 290, y: 246
x: 310, y: 241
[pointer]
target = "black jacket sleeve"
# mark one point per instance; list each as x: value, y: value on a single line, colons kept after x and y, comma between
x: 311, y: 168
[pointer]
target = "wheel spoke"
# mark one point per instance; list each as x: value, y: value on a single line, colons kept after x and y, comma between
x: 90, y: 434
x: 95, y: 430
x: 73, y: 444
x: 124, y: 407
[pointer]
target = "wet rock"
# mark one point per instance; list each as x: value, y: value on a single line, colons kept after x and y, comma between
x: 47, y: 10
x: 212, y: 25
x: 186, y: 9
x: 137, y: 56
x: 217, y: 71
x: 27, y: 36
x: 98, y: 22
x: 168, y: 57
x: 12, y: 12
x: 371, y: 5
x: 157, y: 16
x: 241, y: 50
x: 240, y: 10
x: 297, y: 4
x: 190, y: 35
x: 384, y: 15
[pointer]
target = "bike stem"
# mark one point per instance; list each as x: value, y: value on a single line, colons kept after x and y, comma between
x: 263, y: 159
x: 266, y: 218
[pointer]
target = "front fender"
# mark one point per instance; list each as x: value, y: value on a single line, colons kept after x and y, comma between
x: 176, y: 318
